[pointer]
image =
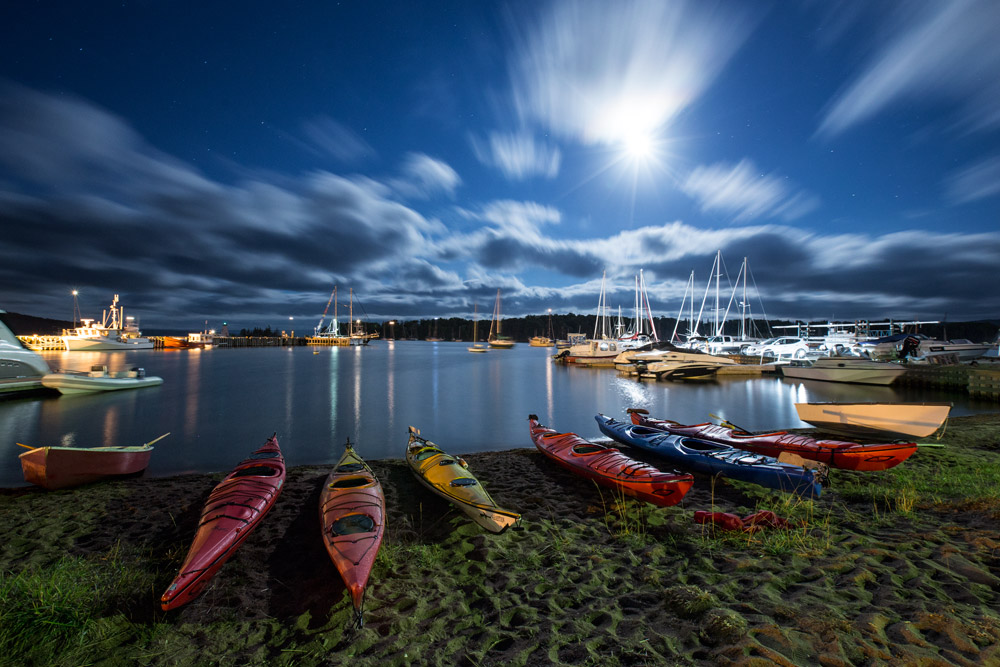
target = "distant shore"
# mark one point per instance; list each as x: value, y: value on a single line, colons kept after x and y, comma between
x: 893, y: 567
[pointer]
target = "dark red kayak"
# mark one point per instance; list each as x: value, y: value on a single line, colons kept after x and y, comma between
x: 234, y: 508
x: 609, y: 467
x: 834, y: 453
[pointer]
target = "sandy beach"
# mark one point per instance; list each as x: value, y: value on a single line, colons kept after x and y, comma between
x: 898, y: 567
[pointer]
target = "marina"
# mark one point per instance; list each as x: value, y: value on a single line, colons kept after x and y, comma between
x: 214, y: 400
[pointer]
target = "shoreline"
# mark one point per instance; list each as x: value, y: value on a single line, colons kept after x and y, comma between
x: 879, y: 569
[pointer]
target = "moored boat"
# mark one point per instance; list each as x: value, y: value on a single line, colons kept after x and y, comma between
x: 115, y: 332
x: 835, y: 453
x: 609, y: 467
x: 449, y: 477
x: 352, y: 517
x: 879, y: 420
x: 712, y: 458
x: 855, y: 370
x: 234, y: 508
x: 21, y: 369
x: 99, y: 379
x: 64, y: 467
x: 495, y: 339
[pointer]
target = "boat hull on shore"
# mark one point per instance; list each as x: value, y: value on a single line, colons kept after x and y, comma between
x: 835, y: 453
x: 609, y: 467
x: 234, y: 508
x: 905, y: 420
x: 65, y: 467
x: 450, y: 478
x: 352, y: 517
x: 712, y: 458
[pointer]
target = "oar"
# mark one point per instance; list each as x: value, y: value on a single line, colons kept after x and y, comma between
x: 25, y: 446
x: 157, y: 440
x: 728, y: 424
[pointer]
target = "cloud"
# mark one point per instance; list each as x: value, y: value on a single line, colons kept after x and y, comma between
x: 424, y: 177
x: 518, y: 155
x: 938, y: 52
x: 330, y: 137
x: 602, y: 72
x: 740, y: 190
x: 977, y: 181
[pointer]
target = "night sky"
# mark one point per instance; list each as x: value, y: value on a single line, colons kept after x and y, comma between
x: 232, y: 162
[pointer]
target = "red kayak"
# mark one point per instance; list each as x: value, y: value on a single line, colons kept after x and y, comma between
x: 352, y: 515
x: 609, y: 467
x: 233, y: 510
x: 835, y: 453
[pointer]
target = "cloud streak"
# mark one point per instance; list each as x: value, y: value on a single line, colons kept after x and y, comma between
x: 741, y: 191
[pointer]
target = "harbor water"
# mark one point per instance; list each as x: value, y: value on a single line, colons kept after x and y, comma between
x: 220, y: 404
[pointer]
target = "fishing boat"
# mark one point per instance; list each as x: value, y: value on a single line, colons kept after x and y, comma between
x: 449, y: 477
x: 476, y: 345
x: 98, y: 378
x: 712, y: 458
x: 64, y: 467
x: 876, y: 420
x: 352, y: 517
x: 234, y: 508
x: 496, y: 340
x: 609, y: 467
x: 782, y: 444
x: 115, y: 332
x: 21, y: 369
x: 855, y: 370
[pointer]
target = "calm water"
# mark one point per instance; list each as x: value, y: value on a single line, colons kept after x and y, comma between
x: 219, y: 404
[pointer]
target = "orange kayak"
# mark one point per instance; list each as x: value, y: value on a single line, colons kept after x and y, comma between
x: 609, y: 467
x: 834, y: 453
x: 233, y: 510
x: 352, y: 515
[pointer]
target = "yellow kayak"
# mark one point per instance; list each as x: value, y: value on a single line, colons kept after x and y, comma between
x: 449, y: 477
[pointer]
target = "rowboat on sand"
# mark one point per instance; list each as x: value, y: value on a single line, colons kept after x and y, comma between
x: 64, y: 467
x: 234, y: 508
x: 449, y: 477
x: 876, y: 420
x: 352, y: 517
x: 834, y: 453
x: 609, y: 467
x: 712, y: 458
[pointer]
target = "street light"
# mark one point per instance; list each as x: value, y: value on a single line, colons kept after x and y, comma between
x: 392, y: 328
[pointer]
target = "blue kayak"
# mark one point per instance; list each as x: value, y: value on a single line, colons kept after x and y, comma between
x: 713, y: 458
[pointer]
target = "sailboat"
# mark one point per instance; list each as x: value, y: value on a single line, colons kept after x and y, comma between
x: 544, y: 341
x: 496, y: 340
x: 476, y: 345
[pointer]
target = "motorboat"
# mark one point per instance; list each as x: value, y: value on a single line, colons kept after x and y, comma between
x: 670, y: 362
x: 905, y: 420
x: 21, y: 369
x: 845, y: 369
x: 920, y: 348
x: 99, y: 379
x: 115, y: 332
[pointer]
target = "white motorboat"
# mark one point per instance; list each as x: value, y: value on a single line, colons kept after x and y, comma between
x: 20, y: 368
x: 920, y: 348
x: 115, y: 332
x: 845, y: 369
x: 876, y: 420
x: 667, y: 357
x: 99, y: 379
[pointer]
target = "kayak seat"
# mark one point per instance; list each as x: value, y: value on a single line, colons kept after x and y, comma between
x: 464, y: 481
x: 587, y: 449
x: 264, y: 455
x: 351, y: 483
x: 350, y: 467
x: 256, y: 471
x: 427, y: 452
x: 352, y: 524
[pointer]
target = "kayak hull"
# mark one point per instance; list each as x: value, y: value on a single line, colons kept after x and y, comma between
x: 234, y: 509
x: 711, y: 458
x: 609, y: 467
x: 449, y: 477
x: 834, y: 453
x: 352, y: 517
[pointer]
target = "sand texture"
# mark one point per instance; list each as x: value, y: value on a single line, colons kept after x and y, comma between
x: 901, y: 575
